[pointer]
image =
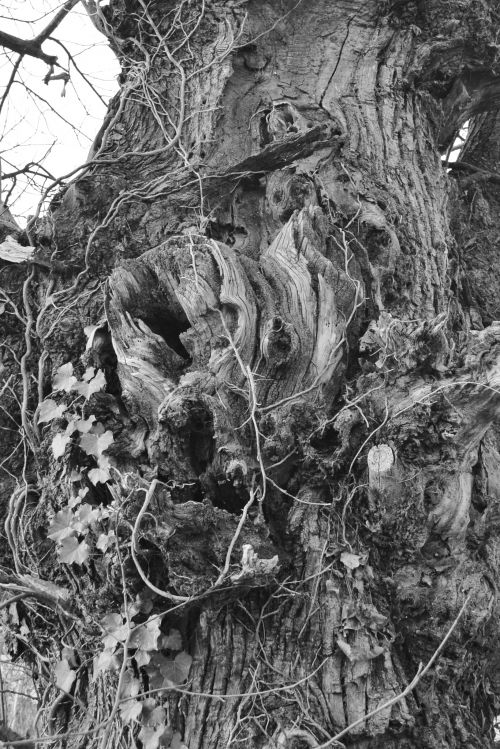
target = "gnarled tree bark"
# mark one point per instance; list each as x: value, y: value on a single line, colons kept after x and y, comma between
x: 294, y: 302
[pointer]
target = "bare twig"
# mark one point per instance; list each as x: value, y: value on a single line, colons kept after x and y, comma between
x: 7, y: 88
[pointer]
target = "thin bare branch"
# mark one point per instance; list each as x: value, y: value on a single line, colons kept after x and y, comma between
x: 56, y: 20
x: 7, y: 88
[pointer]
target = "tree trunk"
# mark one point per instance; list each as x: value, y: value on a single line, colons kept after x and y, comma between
x: 294, y: 305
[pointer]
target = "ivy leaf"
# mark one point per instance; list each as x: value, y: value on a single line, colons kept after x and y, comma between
x: 146, y: 635
x: 105, y: 540
x: 85, y: 425
x: 104, y: 462
x: 87, y: 515
x: 177, y: 671
x: 156, y: 669
x: 104, y: 512
x: 154, y: 732
x: 157, y: 680
x: 351, y: 561
x: 99, y: 475
x: 172, y: 641
x: 95, y: 444
x: 64, y: 378
x: 49, y: 410
x: 116, y: 630
x: 97, y: 383
x: 130, y: 710
x: 106, y: 661
x: 74, y: 501
x: 156, y: 717
x: 63, y: 525
x: 71, y: 426
x: 111, y: 621
x: 159, y: 660
x: 152, y: 738
x: 89, y: 373
x: 88, y: 388
x: 59, y: 444
x: 183, y: 663
x: 142, y: 658
x: 70, y: 551
x: 148, y: 705
x: 130, y: 686
x: 142, y: 603
x: 65, y: 676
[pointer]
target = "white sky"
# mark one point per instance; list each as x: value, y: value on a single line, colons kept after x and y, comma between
x: 29, y: 129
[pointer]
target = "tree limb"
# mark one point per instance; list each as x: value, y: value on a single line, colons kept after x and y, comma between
x: 54, y: 23
x: 30, y: 47
x: 33, y: 47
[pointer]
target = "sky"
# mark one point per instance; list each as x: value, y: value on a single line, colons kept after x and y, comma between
x: 51, y: 124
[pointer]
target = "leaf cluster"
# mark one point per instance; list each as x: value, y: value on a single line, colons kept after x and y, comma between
x: 86, y: 433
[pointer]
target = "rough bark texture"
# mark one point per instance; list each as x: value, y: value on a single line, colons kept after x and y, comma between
x: 293, y: 300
